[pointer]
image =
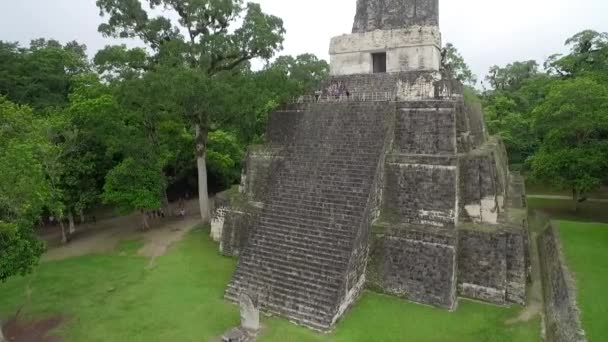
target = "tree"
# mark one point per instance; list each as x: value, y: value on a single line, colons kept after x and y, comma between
x: 588, y: 55
x: 224, y: 157
x: 155, y: 124
x: 24, y: 190
x: 211, y: 44
x: 136, y: 185
x: 40, y: 75
x: 453, y: 63
x: 80, y: 135
x: 512, y: 76
x: 573, y: 124
x: 296, y: 76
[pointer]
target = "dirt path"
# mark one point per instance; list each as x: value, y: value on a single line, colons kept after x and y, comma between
x: 40, y: 331
x: 104, y: 236
x: 567, y: 198
x: 158, y: 241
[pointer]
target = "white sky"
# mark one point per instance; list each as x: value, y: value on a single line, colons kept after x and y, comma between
x: 486, y: 32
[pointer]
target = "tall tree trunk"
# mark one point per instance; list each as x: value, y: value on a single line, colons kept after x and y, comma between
x: 575, y: 198
x: 71, y: 221
x: 82, y: 219
x: 2, y: 338
x: 64, y: 235
x: 165, y: 202
x: 201, y: 163
x: 145, y: 225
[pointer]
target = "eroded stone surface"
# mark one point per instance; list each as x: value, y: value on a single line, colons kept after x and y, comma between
x: 250, y: 314
x: 395, y: 14
x: 562, y: 317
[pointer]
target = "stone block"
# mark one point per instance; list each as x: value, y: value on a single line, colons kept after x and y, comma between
x: 236, y: 335
x: 250, y: 314
x: 391, y: 14
x: 416, y: 264
x: 420, y: 194
x: 237, y: 225
x: 482, y: 265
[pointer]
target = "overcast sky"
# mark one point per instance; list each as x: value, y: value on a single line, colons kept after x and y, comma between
x: 487, y: 32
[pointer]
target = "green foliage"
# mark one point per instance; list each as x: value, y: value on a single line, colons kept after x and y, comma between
x: 24, y: 190
x: 135, y: 185
x: 511, y: 76
x: 453, y: 63
x: 20, y: 250
x: 213, y: 42
x: 40, y: 75
x: 573, y: 124
x: 554, y: 122
x: 118, y: 62
x: 288, y: 76
x: 588, y: 55
x: 83, y: 135
x: 224, y: 157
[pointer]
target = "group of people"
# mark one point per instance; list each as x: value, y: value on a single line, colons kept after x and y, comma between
x: 180, y: 212
x: 335, y: 90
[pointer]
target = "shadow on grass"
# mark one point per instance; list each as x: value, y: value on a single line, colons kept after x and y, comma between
x: 557, y: 209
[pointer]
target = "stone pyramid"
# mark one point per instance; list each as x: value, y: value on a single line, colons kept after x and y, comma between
x: 385, y: 179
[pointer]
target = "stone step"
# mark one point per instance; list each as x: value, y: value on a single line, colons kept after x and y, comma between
x: 335, y: 214
x: 326, y: 198
x: 327, y: 248
x: 302, y: 244
x: 323, y: 288
x: 313, y: 305
x: 305, y: 315
x: 323, y: 255
x: 288, y: 225
x: 337, y: 186
x: 321, y: 266
x: 289, y: 284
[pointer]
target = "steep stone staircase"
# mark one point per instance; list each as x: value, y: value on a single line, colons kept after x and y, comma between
x: 300, y: 252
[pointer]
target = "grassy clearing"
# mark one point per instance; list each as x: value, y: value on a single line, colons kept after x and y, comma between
x: 586, y: 250
x: 541, y: 189
x: 564, y: 210
x: 113, y: 297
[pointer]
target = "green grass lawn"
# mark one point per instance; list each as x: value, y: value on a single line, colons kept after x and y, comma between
x: 115, y: 297
x: 586, y: 250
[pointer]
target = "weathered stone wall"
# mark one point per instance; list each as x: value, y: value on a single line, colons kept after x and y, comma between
x: 492, y: 264
x: 562, y: 317
x: 420, y: 194
x: 237, y: 224
x: 411, y: 49
x: 233, y: 216
x: 420, y: 83
x: 418, y: 264
x: 518, y: 267
x: 259, y: 166
x: 482, y: 265
x: 483, y: 177
x: 429, y: 131
x: 395, y: 14
x: 404, y: 86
